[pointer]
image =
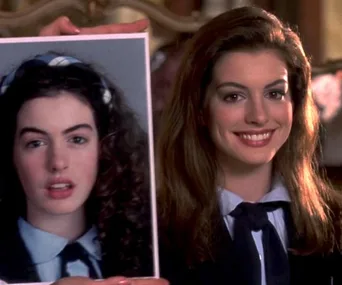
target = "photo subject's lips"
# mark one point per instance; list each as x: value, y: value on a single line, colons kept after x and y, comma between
x: 60, y: 188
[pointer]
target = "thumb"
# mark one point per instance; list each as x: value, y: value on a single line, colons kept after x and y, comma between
x: 61, y: 26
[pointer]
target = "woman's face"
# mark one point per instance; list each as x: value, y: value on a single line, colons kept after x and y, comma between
x: 250, y: 107
x: 56, y: 154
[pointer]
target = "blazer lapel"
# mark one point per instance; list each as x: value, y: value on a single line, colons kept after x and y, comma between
x: 15, y: 262
x: 309, y: 269
x: 224, y: 269
x: 221, y: 270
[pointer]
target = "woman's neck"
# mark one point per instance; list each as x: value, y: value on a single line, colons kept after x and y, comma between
x: 70, y: 226
x: 250, y: 183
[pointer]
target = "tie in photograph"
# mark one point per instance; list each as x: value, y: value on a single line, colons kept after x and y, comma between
x: 73, y: 252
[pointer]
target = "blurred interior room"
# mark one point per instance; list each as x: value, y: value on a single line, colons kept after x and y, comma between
x: 174, y: 21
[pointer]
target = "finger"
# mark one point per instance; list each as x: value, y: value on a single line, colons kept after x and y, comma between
x: 61, y: 26
x: 74, y: 281
x: 148, y: 281
x: 135, y: 27
x: 117, y: 280
x: 339, y: 74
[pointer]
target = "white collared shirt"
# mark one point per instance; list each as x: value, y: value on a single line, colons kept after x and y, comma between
x: 45, y: 247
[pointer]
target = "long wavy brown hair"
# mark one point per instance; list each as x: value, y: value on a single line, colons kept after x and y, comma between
x: 187, y: 168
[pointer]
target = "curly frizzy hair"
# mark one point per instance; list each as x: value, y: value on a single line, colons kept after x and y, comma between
x: 123, y: 190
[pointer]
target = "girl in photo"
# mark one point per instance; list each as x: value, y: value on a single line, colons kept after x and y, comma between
x: 74, y: 167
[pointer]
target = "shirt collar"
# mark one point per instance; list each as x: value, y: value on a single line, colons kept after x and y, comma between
x: 44, y: 246
x: 228, y: 200
x: 91, y: 243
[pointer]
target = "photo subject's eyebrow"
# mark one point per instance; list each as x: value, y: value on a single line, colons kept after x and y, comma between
x: 26, y: 130
x: 77, y: 127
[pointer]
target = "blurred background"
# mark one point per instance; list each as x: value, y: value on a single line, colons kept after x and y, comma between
x: 173, y: 22
x: 318, y: 21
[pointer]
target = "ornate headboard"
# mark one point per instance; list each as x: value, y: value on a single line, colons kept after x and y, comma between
x: 28, y: 20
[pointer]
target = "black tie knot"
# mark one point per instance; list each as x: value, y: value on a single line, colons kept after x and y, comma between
x: 72, y: 252
x: 254, y: 214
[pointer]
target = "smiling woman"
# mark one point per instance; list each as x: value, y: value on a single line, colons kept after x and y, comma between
x: 250, y: 110
x: 240, y: 197
x: 73, y: 164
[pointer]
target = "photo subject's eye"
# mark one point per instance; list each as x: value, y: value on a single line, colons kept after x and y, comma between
x: 79, y: 140
x: 34, y: 144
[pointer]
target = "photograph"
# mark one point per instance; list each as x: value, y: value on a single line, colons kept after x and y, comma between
x: 77, y: 181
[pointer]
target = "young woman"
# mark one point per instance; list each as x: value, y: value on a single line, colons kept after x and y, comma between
x: 75, y: 195
x: 240, y: 198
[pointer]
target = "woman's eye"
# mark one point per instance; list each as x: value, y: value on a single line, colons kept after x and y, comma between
x: 234, y: 97
x: 276, y: 94
x: 34, y: 144
x: 79, y: 140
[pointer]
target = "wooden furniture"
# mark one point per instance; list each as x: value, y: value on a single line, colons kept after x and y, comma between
x: 28, y: 20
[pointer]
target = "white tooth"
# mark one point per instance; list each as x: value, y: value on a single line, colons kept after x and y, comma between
x: 256, y: 137
x: 60, y: 185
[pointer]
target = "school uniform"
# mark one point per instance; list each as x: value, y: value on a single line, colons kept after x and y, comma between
x: 28, y: 254
x: 225, y: 268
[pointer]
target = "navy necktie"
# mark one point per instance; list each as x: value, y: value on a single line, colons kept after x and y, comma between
x: 73, y: 252
x: 253, y: 217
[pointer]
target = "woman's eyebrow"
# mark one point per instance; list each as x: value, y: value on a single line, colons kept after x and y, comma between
x: 42, y: 132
